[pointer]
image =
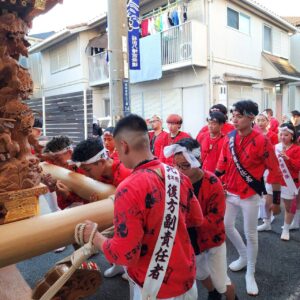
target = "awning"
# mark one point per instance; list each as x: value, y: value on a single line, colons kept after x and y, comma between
x: 278, y: 69
x: 99, y: 41
x: 240, y: 79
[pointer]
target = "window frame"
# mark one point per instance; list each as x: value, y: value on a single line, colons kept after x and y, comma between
x: 239, y: 15
x: 271, y: 39
x: 54, y: 54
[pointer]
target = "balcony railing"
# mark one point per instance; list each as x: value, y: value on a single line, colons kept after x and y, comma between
x: 184, y: 45
x: 181, y: 46
x: 176, y: 44
x: 98, y: 69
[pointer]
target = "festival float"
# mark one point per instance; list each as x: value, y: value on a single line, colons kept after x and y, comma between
x: 23, y: 233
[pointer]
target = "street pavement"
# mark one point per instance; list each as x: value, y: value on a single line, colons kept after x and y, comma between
x: 277, y: 272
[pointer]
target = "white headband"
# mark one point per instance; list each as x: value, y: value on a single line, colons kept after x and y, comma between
x: 98, y: 156
x: 190, y: 156
x: 264, y: 114
x: 59, y: 152
x: 287, y: 129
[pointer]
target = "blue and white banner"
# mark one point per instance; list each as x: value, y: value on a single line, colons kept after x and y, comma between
x: 133, y: 13
x: 126, y: 97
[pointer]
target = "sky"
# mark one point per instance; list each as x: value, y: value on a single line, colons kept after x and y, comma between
x: 77, y: 11
x: 69, y: 13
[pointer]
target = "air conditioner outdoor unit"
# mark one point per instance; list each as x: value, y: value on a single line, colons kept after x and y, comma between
x: 104, y: 122
x: 185, y: 51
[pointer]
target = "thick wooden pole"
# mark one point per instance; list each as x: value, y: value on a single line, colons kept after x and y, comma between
x: 81, y: 185
x: 31, y: 237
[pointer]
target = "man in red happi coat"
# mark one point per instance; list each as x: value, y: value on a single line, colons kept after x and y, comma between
x: 245, y: 156
x: 156, y: 136
x: 174, y: 123
x: 211, y: 142
x: 227, y: 127
x: 139, y: 217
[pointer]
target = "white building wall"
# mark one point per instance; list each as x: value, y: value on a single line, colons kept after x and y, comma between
x: 295, y: 50
x: 71, y: 79
x: 241, y: 54
x: 183, y: 92
x: 232, y: 45
x: 99, y: 97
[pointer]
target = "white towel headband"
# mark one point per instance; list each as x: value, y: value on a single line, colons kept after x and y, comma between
x: 190, y: 156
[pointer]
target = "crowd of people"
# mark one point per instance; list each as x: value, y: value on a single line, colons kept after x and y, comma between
x: 177, y: 197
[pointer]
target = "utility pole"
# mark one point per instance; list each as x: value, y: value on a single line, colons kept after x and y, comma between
x: 210, y: 51
x: 118, y: 56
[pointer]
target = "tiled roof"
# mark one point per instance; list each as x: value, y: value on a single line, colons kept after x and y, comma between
x: 293, y: 20
x: 282, y: 65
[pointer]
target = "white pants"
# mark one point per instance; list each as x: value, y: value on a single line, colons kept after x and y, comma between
x: 136, y: 292
x: 285, y: 192
x: 213, y: 263
x: 249, y: 209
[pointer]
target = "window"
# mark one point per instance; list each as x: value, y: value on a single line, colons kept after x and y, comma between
x: 64, y: 56
x: 267, y: 39
x: 59, y: 60
x: 232, y: 18
x: 244, y: 23
x: 238, y: 21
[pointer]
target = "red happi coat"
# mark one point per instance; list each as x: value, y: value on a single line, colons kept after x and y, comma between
x: 168, y: 140
x: 157, y: 142
x: 293, y: 163
x: 256, y: 154
x: 273, y: 137
x: 114, y: 155
x: 227, y: 127
x: 211, y: 197
x: 119, y: 173
x: 274, y: 125
x: 210, y: 150
x: 72, y: 197
x: 138, y: 213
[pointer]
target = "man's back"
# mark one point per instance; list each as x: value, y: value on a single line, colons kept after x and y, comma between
x: 139, y: 209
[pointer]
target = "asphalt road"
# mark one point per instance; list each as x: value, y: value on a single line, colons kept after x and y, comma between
x: 277, y: 274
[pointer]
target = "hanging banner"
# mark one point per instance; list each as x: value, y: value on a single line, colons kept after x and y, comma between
x: 133, y: 13
x: 126, y: 97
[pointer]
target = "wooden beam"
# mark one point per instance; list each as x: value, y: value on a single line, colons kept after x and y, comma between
x: 81, y: 185
x: 31, y: 237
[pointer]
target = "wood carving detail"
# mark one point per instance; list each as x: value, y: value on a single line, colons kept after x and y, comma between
x: 19, y: 169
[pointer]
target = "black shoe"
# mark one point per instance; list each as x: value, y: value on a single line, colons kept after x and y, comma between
x: 214, y: 295
x: 236, y: 297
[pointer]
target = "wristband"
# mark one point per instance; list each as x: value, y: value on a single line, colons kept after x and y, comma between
x: 276, y: 197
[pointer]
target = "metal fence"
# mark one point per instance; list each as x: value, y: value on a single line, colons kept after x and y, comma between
x: 177, y: 44
x: 176, y: 48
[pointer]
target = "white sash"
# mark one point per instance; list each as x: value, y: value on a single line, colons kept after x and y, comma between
x: 285, y: 171
x: 164, y: 244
